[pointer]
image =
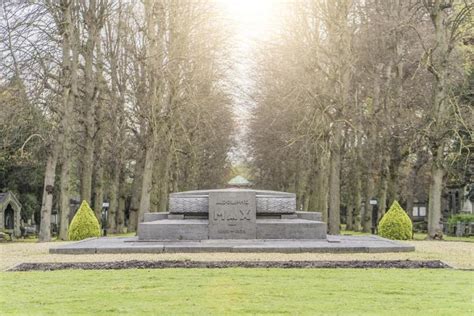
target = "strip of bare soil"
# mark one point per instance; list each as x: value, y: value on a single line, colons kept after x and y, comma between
x: 136, y: 264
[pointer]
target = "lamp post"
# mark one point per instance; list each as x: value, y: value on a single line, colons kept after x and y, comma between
x: 105, y: 215
x: 374, y: 203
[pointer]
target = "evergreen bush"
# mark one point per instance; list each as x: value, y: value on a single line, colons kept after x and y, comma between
x: 396, y: 224
x: 84, y: 224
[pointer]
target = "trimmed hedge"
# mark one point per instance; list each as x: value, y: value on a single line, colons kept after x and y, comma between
x: 84, y: 224
x: 396, y: 224
x: 462, y: 217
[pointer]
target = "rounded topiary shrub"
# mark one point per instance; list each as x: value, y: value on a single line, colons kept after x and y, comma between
x: 84, y: 224
x: 396, y: 224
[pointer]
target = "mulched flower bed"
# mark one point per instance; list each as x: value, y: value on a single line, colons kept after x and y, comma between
x: 136, y: 264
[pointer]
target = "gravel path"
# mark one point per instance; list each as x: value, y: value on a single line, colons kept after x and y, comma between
x: 456, y: 254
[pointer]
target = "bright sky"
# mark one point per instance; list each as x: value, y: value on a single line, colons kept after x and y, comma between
x: 251, y: 22
x: 253, y: 19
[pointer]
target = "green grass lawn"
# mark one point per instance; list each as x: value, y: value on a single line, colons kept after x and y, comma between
x: 239, y: 291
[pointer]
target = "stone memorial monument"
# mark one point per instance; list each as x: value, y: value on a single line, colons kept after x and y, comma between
x: 232, y: 214
x: 232, y: 220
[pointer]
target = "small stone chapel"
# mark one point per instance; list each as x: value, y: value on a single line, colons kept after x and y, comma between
x: 10, y: 217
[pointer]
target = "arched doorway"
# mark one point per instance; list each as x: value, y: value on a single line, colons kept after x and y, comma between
x: 9, y: 217
x: 10, y: 209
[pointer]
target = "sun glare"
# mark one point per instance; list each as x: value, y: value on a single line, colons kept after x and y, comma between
x: 252, y: 19
x: 251, y: 22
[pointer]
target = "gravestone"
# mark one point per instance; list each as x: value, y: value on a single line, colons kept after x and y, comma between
x: 232, y: 215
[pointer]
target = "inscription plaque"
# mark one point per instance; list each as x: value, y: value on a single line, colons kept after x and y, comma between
x: 232, y: 215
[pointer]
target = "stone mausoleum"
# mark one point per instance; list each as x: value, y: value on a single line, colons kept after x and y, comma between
x: 10, y: 217
x: 232, y: 214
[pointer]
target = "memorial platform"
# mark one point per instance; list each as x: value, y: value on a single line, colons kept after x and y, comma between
x: 332, y: 244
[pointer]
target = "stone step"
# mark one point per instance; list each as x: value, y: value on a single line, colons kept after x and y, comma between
x: 174, y: 229
x: 197, y: 229
x: 290, y: 229
x: 312, y: 216
x: 151, y: 217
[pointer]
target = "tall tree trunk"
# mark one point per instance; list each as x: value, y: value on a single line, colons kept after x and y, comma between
x: 121, y: 207
x: 114, y: 202
x: 153, y: 66
x: 335, y: 183
x: 312, y: 191
x: 303, y: 178
x: 447, y: 19
x: 382, y: 200
x: 354, y: 189
x: 313, y: 198
x: 297, y: 184
x: 349, y: 215
x: 136, y: 194
x: 383, y: 188
x: 48, y: 190
x: 306, y: 196
x: 165, y: 181
x: 393, y: 184
x: 93, y: 23
x: 98, y: 191
x: 367, y: 214
x: 321, y: 188
x: 436, y: 188
x: 120, y: 194
x: 98, y: 182
x: 64, y: 202
x: 147, y: 185
x: 69, y: 92
x: 86, y: 171
x: 357, y: 203
x: 413, y: 183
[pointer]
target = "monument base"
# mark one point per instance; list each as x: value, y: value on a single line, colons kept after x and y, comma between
x: 158, y: 226
x: 197, y: 229
x: 333, y: 244
x: 232, y: 214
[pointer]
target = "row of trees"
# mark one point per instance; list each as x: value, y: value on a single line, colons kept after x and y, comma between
x: 127, y: 100
x: 354, y: 99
